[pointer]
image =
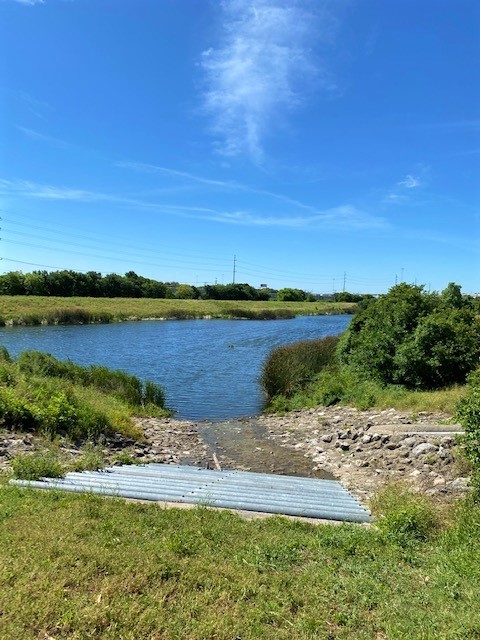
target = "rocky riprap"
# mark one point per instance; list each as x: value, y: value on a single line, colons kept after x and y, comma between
x: 366, y: 449
x: 362, y: 449
x: 165, y: 440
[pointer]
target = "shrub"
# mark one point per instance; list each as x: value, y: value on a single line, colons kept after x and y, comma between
x: 34, y: 466
x: 403, y: 517
x: 468, y: 414
x: 412, y: 338
x: 15, y: 412
x: 291, y: 367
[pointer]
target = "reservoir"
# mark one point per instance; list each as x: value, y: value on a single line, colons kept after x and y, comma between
x: 210, y: 369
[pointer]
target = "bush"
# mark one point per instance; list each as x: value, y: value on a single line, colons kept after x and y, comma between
x: 403, y: 517
x: 124, y: 386
x: 291, y: 367
x: 15, y: 413
x: 468, y: 414
x: 412, y: 338
x: 35, y: 466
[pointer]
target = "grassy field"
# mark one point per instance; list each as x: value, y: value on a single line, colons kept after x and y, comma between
x: 85, y: 567
x: 38, y: 309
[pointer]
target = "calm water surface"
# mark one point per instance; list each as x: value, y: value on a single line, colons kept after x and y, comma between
x: 210, y: 369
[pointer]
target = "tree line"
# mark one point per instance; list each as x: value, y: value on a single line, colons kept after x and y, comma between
x: 69, y: 283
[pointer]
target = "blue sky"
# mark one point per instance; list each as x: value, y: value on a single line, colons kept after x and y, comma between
x: 319, y: 142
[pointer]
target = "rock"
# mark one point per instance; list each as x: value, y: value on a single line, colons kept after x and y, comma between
x: 423, y: 448
x: 366, y: 438
x: 459, y: 484
x: 409, y: 442
x: 327, y: 437
x: 439, y: 480
x: 344, y: 446
x: 447, y: 441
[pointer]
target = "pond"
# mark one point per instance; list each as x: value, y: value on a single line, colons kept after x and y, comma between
x: 210, y: 369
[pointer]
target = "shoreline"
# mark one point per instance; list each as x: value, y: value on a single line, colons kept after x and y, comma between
x: 363, y: 449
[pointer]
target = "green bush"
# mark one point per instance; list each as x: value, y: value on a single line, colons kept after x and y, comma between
x: 35, y: 466
x: 403, y: 517
x: 413, y: 338
x: 468, y: 414
x: 124, y: 386
x: 15, y: 412
x: 291, y: 367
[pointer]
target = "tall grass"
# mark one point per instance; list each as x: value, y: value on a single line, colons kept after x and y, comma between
x: 290, y: 367
x: 31, y: 310
x: 42, y: 394
x: 340, y: 385
x: 123, y: 385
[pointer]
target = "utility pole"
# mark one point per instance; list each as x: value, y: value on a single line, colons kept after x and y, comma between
x: 402, y: 274
x: 344, y: 279
x: 234, y: 268
x: 395, y: 279
x: 334, y: 285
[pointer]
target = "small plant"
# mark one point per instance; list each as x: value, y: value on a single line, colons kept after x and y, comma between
x: 468, y: 414
x: 34, y: 466
x: 124, y: 457
x: 92, y: 459
x: 404, y: 518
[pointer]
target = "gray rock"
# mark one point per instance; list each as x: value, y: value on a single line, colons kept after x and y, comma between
x: 409, y: 442
x: 459, y: 484
x: 423, y: 448
x: 327, y: 437
x: 344, y: 446
x: 366, y: 438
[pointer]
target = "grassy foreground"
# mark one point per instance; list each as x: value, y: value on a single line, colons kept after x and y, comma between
x: 85, y: 567
x: 31, y: 310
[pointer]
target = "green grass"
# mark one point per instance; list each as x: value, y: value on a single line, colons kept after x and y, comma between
x: 41, y: 394
x: 85, y: 567
x: 341, y: 386
x: 30, y: 310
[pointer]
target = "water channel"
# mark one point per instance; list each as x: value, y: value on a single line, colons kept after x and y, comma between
x: 210, y: 370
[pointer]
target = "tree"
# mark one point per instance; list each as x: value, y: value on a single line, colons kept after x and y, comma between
x: 186, y: 292
x: 291, y: 295
x: 412, y: 338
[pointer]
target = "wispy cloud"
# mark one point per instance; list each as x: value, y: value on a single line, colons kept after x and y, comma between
x: 258, y: 72
x: 35, y: 135
x: 344, y: 217
x: 410, y: 182
x: 30, y: 2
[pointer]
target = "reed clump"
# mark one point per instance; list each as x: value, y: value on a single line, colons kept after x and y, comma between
x: 290, y: 367
x: 39, y: 393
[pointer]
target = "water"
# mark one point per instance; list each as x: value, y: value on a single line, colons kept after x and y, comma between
x: 210, y: 369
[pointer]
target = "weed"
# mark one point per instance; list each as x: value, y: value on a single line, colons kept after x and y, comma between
x: 403, y: 517
x: 91, y: 459
x: 34, y: 466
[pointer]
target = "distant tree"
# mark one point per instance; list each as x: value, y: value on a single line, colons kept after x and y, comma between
x: 186, y: 292
x: 291, y: 295
x: 12, y: 284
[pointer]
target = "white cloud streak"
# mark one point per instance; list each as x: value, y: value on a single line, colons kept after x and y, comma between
x: 259, y: 70
x: 410, y: 182
x: 30, y: 3
x: 41, y: 137
x: 345, y: 217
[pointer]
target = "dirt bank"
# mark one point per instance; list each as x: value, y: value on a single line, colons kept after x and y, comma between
x: 363, y: 449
